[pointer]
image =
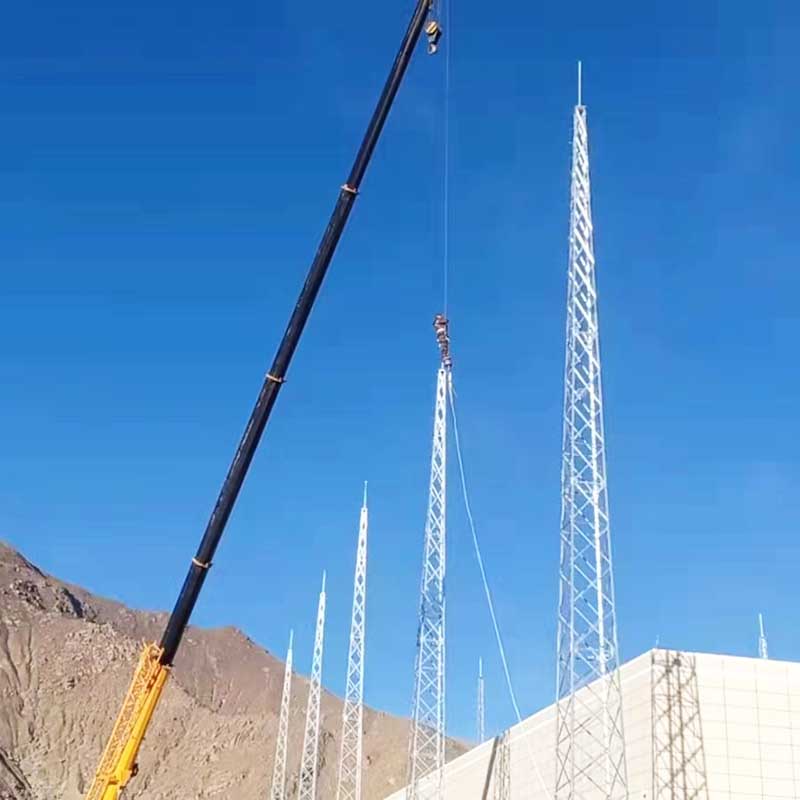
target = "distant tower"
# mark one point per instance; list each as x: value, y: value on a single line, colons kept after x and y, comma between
x: 310, y: 760
x: 762, y: 639
x: 481, y: 704
x: 279, y: 767
x: 502, y: 768
x: 590, y: 745
x: 426, y: 751
x: 679, y: 761
x: 349, y: 786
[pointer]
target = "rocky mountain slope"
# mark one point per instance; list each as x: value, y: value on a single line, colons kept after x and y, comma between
x: 66, y: 657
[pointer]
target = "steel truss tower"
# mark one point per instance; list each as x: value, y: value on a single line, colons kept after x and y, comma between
x: 590, y: 745
x: 310, y: 759
x: 278, y: 791
x: 350, y: 756
x: 679, y: 762
x: 502, y: 768
x: 426, y: 750
x: 763, y: 650
x: 481, y: 720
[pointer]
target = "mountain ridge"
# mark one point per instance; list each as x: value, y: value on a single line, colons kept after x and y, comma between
x: 66, y: 657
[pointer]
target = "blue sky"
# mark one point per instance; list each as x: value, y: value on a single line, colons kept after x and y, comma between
x: 166, y: 170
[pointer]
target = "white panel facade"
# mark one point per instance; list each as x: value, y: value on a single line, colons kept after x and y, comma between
x: 721, y: 728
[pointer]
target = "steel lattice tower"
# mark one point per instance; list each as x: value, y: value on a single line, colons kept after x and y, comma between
x: 502, y: 768
x: 590, y: 745
x: 310, y: 759
x: 278, y: 791
x: 679, y: 761
x: 481, y: 720
x: 763, y: 650
x: 426, y: 750
x: 350, y: 757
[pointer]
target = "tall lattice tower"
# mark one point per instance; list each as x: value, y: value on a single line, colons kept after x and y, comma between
x: 278, y: 791
x: 310, y: 759
x: 426, y: 750
x: 590, y: 745
x: 481, y: 718
x: 350, y: 756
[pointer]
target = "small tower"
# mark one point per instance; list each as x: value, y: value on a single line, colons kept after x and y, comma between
x: 426, y: 751
x: 481, y: 718
x: 278, y: 791
x: 502, y: 768
x: 590, y: 750
x: 310, y: 759
x: 763, y: 652
x: 350, y: 756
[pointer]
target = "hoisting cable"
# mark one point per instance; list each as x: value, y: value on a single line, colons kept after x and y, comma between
x: 444, y: 6
x: 486, y: 588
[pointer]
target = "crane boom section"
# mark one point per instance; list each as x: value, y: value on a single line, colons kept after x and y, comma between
x: 118, y: 764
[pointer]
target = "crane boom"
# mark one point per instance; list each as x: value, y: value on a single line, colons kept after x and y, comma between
x: 118, y: 763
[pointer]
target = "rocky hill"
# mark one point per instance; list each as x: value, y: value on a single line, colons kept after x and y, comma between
x: 66, y: 657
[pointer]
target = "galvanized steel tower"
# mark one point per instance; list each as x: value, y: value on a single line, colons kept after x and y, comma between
x: 590, y: 762
x: 426, y: 751
x: 278, y: 791
x: 310, y: 759
x: 350, y: 756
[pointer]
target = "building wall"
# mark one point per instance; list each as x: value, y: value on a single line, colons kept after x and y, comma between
x: 696, y: 726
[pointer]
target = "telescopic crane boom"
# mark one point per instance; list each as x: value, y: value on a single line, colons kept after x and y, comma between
x: 118, y: 763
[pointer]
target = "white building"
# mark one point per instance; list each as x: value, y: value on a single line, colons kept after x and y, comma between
x: 697, y: 727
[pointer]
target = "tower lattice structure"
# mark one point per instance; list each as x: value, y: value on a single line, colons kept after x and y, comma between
x: 310, y: 758
x: 502, y: 768
x: 350, y: 756
x: 426, y: 750
x: 278, y: 790
x: 481, y: 717
x: 590, y: 761
x: 679, y: 763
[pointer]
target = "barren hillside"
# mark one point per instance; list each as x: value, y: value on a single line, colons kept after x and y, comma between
x: 65, y: 661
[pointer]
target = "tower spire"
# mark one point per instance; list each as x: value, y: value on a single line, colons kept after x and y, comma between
x: 350, y: 757
x: 763, y: 652
x: 590, y: 759
x: 310, y: 759
x: 278, y: 791
x: 481, y: 704
x: 580, y: 83
x: 426, y: 751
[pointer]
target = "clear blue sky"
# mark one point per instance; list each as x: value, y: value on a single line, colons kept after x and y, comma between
x: 166, y: 169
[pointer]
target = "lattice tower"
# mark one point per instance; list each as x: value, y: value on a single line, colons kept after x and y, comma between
x: 679, y: 763
x: 278, y: 791
x: 763, y: 650
x: 426, y: 748
x: 590, y: 745
x: 502, y: 768
x: 481, y: 718
x: 310, y: 759
x: 350, y: 756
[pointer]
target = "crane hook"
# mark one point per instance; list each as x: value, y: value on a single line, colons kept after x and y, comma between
x: 434, y: 32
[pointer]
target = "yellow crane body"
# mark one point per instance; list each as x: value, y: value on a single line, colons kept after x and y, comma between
x: 118, y: 764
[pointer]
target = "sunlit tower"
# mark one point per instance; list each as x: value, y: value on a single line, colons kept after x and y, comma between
x: 481, y: 718
x: 426, y: 751
x: 350, y: 756
x: 590, y: 745
x: 278, y: 791
x: 310, y: 758
x: 763, y: 652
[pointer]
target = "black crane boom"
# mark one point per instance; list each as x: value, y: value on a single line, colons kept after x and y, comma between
x: 179, y: 619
